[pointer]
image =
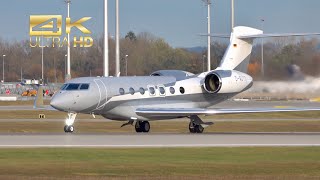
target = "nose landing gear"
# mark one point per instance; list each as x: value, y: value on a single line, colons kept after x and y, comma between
x: 69, y: 128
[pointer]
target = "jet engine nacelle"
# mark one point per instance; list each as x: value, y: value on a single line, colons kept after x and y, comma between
x: 226, y: 81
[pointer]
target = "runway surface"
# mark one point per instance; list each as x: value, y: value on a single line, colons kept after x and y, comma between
x: 158, y: 140
x: 165, y: 140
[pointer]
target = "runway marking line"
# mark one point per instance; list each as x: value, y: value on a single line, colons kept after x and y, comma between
x: 160, y: 146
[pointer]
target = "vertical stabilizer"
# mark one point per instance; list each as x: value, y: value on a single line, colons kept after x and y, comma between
x: 238, y: 53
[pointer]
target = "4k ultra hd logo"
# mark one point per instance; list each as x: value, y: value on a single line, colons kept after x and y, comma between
x: 47, y: 31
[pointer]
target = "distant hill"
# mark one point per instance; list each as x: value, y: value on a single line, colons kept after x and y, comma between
x: 198, y: 49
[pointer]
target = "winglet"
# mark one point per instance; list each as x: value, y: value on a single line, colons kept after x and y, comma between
x: 38, y: 102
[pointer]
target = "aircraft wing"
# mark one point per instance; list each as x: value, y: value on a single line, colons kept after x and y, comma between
x: 183, y: 112
x: 262, y: 35
x: 278, y: 35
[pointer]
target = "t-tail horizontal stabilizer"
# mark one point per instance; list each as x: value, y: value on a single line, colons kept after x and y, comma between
x: 239, y: 50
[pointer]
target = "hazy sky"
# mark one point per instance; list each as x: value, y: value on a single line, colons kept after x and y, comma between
x: 177, y: 21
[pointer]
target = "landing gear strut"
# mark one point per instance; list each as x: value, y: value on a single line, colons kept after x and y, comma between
x: 195, y: 128
x: 142, y: 126
x: 69, y: 128
x: 196, y: 125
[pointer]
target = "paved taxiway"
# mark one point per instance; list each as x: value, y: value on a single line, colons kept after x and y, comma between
x: 159, y: 140
x: 166, y: 140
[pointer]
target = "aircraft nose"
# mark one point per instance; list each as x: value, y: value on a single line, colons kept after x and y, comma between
x: 56, y: 103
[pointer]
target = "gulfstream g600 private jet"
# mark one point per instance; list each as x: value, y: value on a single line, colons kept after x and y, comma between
x: 165, y: 94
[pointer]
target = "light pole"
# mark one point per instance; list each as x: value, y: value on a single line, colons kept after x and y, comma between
x: 21, y: 72
x: 68, y: 74
x: 42, y: 60
x: 65, y: 65
x: 127, y: 64
x: 203, y: 59
x: 208, y: 3
x: 3, y: 67
x: 117, y: 41
x: 106, y: 40
x: 232, y: 15
x: 262, y: 54
x: 55, y: 69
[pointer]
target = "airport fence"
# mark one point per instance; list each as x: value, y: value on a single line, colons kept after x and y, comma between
x: 16, y: 89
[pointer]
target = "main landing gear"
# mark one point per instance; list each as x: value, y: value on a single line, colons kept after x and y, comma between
x: 69, y: 128
x: 196, y: 125
x: 195, y: 128
x: 142, y: 126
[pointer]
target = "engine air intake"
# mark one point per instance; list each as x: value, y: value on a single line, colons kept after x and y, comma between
x: 212, y: 83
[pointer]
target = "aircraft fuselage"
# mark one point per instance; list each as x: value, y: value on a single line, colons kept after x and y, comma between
x: 117, y: 98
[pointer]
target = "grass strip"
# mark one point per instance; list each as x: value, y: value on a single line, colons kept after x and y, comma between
x: 172, y: 163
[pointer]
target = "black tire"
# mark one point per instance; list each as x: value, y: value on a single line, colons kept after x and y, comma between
x: 192, y: 127
x: 71, y: 129
x: 145, y: 126
x: 68, y: 129
x: 138, y: 127
x: 198, y: 129
x: 65, y: 128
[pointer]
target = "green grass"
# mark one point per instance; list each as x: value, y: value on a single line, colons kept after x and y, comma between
x: 165, y: 163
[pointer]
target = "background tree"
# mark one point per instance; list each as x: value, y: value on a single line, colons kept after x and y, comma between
x: 148, y: 53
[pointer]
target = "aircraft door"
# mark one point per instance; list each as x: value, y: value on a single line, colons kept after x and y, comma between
x: 102, y: 89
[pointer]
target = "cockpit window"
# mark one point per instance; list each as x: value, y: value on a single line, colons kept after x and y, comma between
x: 84, y: 86
x: 72, y: 87
x: 63, y: 87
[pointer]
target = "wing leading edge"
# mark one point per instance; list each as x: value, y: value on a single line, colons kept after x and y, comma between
x: 198, y: 111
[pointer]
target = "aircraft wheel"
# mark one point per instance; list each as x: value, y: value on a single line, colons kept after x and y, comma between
x: 192, y: 127
x: 198, y: 129
x: 145, y: 126
x: 138, y: 127
x: 68, y: 129
x: 71, y: 129
x: 65, y: 128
